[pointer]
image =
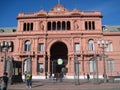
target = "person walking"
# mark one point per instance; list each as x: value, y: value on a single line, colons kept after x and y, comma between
x: 88, y: 77
x: 61, y: 76
x: 29, y: 80
x: 4, y: 81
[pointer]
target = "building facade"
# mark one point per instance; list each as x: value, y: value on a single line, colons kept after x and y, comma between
x: 45, y: 42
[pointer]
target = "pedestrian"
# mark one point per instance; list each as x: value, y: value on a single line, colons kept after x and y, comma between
x: 61, y: 76
x: 25, y: 75
x: 29, y: 80
x: 56, y: 76
x: 46, y: 75
x: 4, y: 81
x: 88, y: 77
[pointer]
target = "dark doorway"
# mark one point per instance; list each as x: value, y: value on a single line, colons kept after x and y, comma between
x: 17, y: 72
x: 58, y: 52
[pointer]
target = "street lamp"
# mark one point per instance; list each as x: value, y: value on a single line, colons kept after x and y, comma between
x: 77, y: 70
x: 95, y: 68
x: 103, y: 44
x: 29, y: 65
x: 7, y: 60
x: 4, y: 47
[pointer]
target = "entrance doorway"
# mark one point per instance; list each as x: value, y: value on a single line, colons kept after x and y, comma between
x: 59, y: 57
x: 17, y: 72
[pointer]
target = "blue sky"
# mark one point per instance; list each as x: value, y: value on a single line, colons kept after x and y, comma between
x: 9, y: 9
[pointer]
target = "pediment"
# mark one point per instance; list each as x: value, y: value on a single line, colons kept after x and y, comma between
x: 41, y: 13
x: 75, y: 12
x: 59, y: 8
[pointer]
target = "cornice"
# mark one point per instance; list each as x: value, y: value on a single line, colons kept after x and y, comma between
x: 59, y: 12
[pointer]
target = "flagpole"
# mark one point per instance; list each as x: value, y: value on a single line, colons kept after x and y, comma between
x: 58, y: 1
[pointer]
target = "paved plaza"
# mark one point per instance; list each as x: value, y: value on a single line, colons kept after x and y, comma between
x: 66, y: 85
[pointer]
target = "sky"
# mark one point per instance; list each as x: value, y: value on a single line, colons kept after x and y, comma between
x: 9, y: 9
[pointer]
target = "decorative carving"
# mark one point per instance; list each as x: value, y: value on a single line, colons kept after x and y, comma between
x: 42, y: 27
x: 59, y: 8
x: 75, y: 10
x: 68, y: 40
x: 41, y: 13
x: 49, y: 41
x: 41, y: 40
x: 77, y: 39
x: 76, y: 25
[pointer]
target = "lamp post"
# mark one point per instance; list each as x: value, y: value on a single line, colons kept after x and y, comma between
x: 5, y: 46
x: 7, y: 60
x: 103, y: 44
x: 95, y: 68
x: 29, y: 65
x: 77, y: 70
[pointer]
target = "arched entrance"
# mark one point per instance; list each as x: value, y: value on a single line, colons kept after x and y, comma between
x: 58, y: 57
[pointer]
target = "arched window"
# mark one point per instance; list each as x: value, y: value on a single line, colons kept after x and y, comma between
x: 24, y: 27
x: 90, y: 27
x: 54, y: 26
x: 91, y: 45
x: 86, y: 25
x: 27, y: 46
x: 63, y: 25
x: 31, y: 27
x: 68, y: 25
x: 49, y: 25
x: 58, y: 26
x: 27, y: 65
x: 28, y: 26
x: 93, y: 25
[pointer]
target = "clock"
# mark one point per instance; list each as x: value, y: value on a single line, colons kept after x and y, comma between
x: 58, y: 9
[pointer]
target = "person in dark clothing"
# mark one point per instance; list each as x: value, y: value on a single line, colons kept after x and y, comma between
x: 61, y: 76
x: 4, y: 81
x: 88, y: 76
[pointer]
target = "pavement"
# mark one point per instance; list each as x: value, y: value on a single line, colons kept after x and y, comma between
x: 66, y: 84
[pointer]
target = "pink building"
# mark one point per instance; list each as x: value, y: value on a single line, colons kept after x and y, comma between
x: 51, y: 40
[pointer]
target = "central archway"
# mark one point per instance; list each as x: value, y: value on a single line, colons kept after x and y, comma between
x: 58, y: 52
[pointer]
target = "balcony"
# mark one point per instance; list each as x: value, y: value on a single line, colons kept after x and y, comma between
x: 91, y: 52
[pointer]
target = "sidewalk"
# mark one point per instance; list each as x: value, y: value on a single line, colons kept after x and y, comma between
x: 65, y: 85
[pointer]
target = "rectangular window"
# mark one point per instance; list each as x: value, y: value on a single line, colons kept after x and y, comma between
x: 110, y: 66
x: 27, y: 48
x: 92, y: 66
x: 41, y: 47
x: 40, y: 67
x: 76, y: 47
x: 86, y: 25
x: 93, y: 25
x: 91, y: 47
x: 111, y: 47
